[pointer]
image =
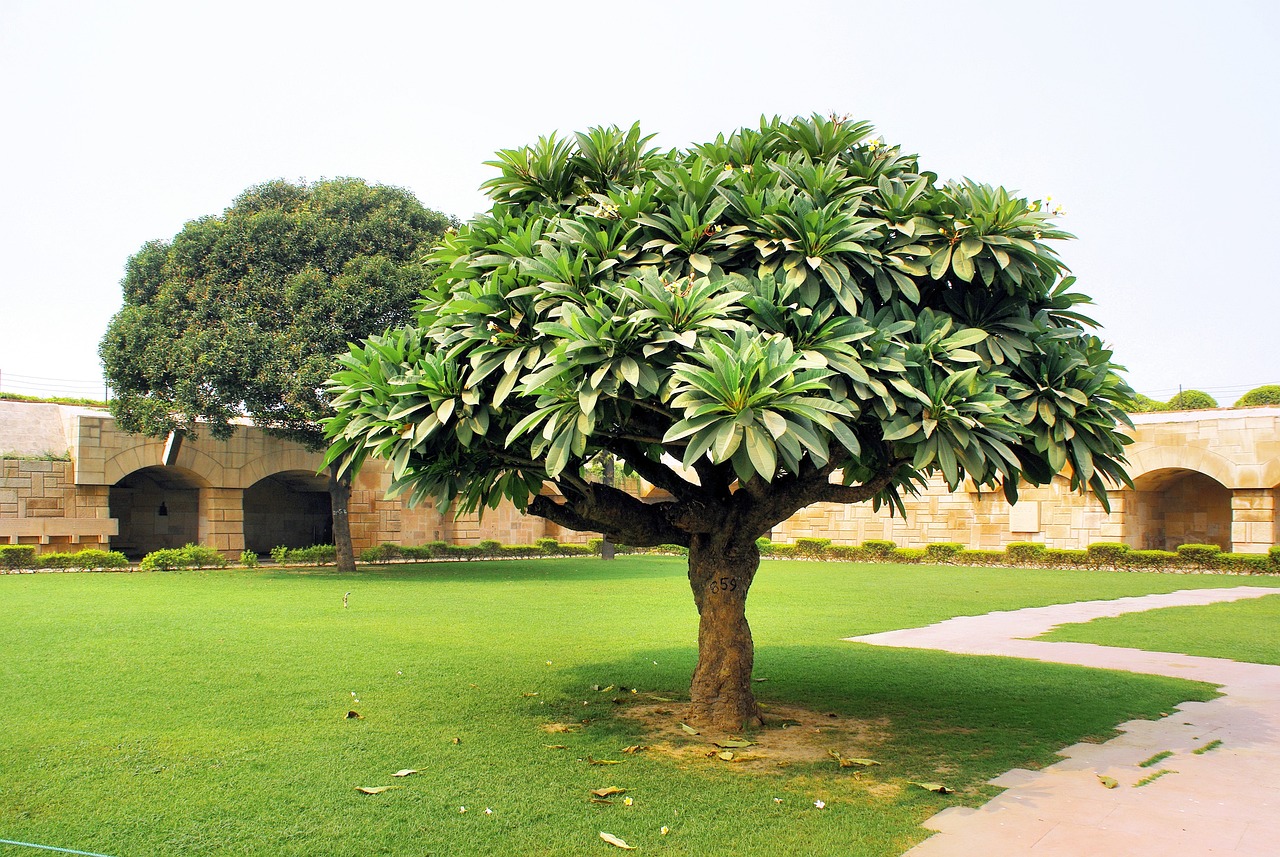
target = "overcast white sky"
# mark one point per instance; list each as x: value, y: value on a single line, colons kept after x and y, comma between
x: 1155, y: 124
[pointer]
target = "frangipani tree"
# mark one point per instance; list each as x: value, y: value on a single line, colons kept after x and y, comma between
x: 790, y: 314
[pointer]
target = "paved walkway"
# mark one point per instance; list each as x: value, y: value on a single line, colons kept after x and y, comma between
x: 1224, y: 800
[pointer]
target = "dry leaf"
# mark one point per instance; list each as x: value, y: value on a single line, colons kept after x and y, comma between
x: 687, y: 728
x: 555, y: 746
x: 938, y: 788
x: 725, y: 755
x: 601, y: 800
x: 527, y: 695
x: 558, y: 727
x: 1109, y: 782
x: 634, y: 748
x: 375, y: 790
x: 406, y: 772
x: 732, y: 743
x: 607, y: 790
x: 591, y: 760
x: 657, y: 698
x: 851, y: 763
x: 354, y: 715
x: 457, y: 740
x: 613, y: 840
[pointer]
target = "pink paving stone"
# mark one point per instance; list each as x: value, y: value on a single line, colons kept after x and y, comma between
x: 1223, y: 801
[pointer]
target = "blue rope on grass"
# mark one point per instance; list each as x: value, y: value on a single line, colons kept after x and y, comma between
x: 51, y: 848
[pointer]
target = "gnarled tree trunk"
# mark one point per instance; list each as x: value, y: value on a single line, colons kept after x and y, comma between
x: 339, y: 497
x: 721, y: 568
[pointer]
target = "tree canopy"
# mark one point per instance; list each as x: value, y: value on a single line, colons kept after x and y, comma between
x: 243, y: 314
x: 790, y: 313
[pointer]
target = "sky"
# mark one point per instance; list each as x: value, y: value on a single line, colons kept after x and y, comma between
x: 1155, y: 126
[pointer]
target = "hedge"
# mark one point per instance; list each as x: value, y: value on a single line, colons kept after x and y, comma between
x: 90, y: 559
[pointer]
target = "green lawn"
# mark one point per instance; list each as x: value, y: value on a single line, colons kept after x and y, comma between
x: 1238, y: 630
x: 202, y: 713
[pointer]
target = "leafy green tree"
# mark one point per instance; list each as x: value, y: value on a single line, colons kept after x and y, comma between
x: 1191, y: 400
x: 243, y: 314
x: 786, y: 315
x: 1267, y: 394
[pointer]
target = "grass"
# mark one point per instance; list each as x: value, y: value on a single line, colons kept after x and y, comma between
x: 1238, y: 630
x: 202, y: 712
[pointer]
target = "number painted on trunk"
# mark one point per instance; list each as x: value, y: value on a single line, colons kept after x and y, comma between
x: 724, y: 584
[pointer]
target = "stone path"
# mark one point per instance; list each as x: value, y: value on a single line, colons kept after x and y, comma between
x: 1223, y: 800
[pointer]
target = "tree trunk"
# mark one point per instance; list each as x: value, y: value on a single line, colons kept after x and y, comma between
x: 339, y: 497
x: 721, y: 569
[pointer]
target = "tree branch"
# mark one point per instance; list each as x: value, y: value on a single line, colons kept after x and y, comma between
x: 655, y: 471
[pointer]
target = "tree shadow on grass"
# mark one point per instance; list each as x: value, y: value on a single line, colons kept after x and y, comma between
x: 939, y: 714
x: 503, y: 570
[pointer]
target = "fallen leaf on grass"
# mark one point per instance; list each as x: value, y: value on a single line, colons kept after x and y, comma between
x: 354, y: 715
x: 601, y: 800
x: 591, y: 760
x: 613, y: 840
x: 405, y: 772
x: 555, y: 746
x: 733, y: 743
x: 851, y: 763
x: 634, y: 748
x: 375, y: 790
x: 457, y: 740
x: 657, y: 698
x: 937, y: 788
x: 1108, y: 782
x: 725, y: 755
x: 558, y: 727
x: 607, y: 790
x: 689, y: 729
x: 527, y: 695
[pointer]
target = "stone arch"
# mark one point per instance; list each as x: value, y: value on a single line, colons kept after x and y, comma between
x: 1154, y: 458
x: 1177, y: 505
x: 199, y: 465
x: 288, y: 508
x: 279, y: 461
x: 157, y: 507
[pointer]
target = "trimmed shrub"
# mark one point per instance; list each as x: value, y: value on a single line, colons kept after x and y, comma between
x: 547, y: 544
x: 943, y: 552
x: 489, y: 547
x: 165, y: 559
x: 1268, y: 394
x: 1192, y: 400
x: 1249, y: 563
x: 1151, y: 559
x: 1063, y: 558
x: 849, y: 553
x: 1274, y: 555
x: 812, y: 548
x: 314, y: 555
x: 248, y: 559
x: 1108, y: 554
x: 879, y: 549
x: 1204, y: 556
x: 781, y: 551
x: 907, y: 555
x: 17, y: 556
x: 279, y: 554
x: 982, y: 557
x: 1025, y: 553
x: 89, y: 559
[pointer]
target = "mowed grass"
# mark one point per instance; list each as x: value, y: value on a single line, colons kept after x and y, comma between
x: 1246, y: 631
x: 203, y: 713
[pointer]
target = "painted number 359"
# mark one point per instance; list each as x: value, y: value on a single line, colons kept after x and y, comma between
x: 724, y: 584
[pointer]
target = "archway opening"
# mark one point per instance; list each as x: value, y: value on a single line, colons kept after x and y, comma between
x: 1175, y: 506
x: 287, y: 509
x: 157, y: 507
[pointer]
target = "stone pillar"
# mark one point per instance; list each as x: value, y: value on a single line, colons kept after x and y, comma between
x: 1253, y: 520
x: 222, y: 520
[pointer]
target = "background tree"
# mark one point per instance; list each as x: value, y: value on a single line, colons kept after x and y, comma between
x: 1267, y: 394
x: 789, y: 314
x: 243, y: 314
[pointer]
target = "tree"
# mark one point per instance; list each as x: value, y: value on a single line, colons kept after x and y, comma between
x: 789, y: 314
x: 1191, y: 400
x: 1267, y: 394
x: 243, y: 314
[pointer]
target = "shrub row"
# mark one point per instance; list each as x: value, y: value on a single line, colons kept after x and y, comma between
x: 89, y: 559
x: 188, y: 556
x: 1110, y: 555
x: 487, y: 549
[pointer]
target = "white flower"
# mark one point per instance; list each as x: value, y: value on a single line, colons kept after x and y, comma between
x: 488, y: 811
x: 462, y: 809
x: 820, y: 804
x: 664, y: 830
